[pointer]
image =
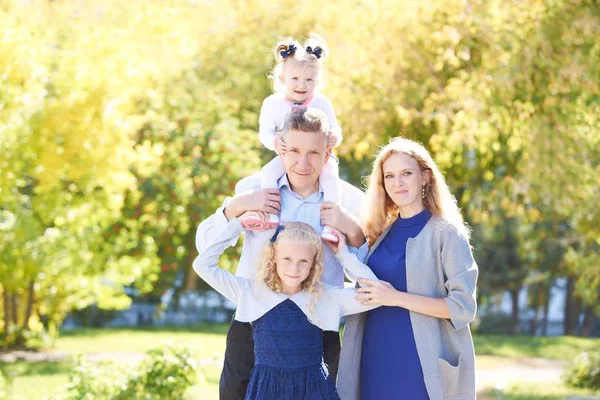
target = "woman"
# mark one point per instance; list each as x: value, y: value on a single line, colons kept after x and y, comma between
x: 418, y: 345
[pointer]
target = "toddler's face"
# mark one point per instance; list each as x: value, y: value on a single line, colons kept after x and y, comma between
x: 294, y: 261
x: 299, y: 81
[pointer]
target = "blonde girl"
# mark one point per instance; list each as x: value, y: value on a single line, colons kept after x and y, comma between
x: 418, y: 344
x: 288, y: 307
x: 297, y: 77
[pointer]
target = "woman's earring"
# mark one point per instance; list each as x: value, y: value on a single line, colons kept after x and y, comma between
x: 423, y: 194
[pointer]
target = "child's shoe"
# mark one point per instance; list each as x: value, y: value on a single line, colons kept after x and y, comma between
x: 329, y: 235
x: 253, y: 221
x: 273, y: 222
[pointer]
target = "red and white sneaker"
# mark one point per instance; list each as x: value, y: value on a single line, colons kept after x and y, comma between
x: 273, y: 222
x: 329, y: 235
x: 253, y: 221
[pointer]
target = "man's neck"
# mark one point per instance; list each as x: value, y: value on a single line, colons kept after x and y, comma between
x: 304, y: 192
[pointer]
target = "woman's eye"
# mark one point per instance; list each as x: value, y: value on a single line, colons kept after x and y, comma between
x: 407, y: 173
x: 389, y: 176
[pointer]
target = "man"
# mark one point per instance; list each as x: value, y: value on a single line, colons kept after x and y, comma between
x: 298, y: 198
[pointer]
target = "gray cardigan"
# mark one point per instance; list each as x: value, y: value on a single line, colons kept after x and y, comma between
x: 439, y: 263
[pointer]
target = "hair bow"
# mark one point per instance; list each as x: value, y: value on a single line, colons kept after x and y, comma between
x: 274, y: 237
x: 291, y: 49
x: 317, y: 51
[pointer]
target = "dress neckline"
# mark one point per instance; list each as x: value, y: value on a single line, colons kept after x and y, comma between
x: 417, y: 219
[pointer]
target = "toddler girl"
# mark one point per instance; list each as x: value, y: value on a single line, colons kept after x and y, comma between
x: 288, y: 307
x: 296, y: 79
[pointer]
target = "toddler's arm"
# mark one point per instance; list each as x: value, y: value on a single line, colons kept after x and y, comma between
x: 206, y: 266
x: 267, y: 131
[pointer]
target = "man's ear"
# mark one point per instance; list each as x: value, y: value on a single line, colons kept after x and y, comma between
x: 327, y: 155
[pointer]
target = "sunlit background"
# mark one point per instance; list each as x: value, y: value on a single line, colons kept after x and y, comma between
x: 123, y: 124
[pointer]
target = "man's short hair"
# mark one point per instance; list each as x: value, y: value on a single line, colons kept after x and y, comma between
x: 306, y: 119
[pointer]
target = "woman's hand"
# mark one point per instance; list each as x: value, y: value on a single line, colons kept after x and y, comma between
x: 377, y: 293
x: 335, y: 247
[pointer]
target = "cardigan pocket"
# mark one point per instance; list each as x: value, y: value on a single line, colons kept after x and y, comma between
x: 450, y: 377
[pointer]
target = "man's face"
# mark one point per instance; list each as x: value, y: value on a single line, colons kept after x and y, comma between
x: 304, y: 159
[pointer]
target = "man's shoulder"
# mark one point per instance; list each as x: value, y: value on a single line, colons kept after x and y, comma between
x: 351, y: 196
x: 348, y: 189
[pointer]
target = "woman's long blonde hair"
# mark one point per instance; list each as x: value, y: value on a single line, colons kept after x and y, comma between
x: 380, y: 211
x: 267, y: 269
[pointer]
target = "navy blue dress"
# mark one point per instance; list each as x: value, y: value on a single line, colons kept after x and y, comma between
x: 288, y: 353
x: 390, y: 365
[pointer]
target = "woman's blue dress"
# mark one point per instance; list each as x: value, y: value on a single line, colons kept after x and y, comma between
x: 288, y: 353
x: 390, y: 365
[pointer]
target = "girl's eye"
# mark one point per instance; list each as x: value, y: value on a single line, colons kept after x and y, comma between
x: 287, y: 258
x: 310, y: 79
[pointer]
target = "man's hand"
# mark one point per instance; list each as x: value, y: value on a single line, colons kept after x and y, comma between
x: 265, y: 200
x: 340, y: 219
x: 280, y: 145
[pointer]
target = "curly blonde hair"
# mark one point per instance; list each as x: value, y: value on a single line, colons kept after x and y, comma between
x: 301, y: 56
x: 380, y: 211
x: 267, y: 269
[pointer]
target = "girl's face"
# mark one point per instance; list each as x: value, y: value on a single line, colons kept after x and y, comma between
x: 403, y: 182
x: 299, y: 81
x: 294, y: 261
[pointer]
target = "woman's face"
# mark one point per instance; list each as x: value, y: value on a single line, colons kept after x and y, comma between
x: 403, y: 182
x: 294, y: 261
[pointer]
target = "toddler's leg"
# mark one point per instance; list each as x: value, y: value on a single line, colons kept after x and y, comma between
x: 329, y: 180
x: 270, y: 174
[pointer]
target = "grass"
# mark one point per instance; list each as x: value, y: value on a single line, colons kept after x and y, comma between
x: 556, y: 348
x: 39, y: 380
x: 550, y: 391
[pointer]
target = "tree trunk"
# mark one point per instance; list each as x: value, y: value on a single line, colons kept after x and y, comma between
x: 30, y: 301
x: 572, y: 306
x: 514, y: 323
x: 191, y: 278
x: 6, y: 308
x: 15, y: 314
x: 546, y: 309
x: 588, y: 322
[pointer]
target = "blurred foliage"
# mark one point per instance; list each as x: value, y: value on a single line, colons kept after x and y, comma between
x: 123, y: 125
x: 166, y: 373
x: 584, y: 371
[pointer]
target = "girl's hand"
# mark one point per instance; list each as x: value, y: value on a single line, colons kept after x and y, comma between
x: 335, y: 247
x: 280, y: 145
x: 331, y: 140
x: 377, y: 293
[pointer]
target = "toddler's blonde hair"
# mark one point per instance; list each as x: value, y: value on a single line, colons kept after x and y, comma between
x: 301, y: 56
